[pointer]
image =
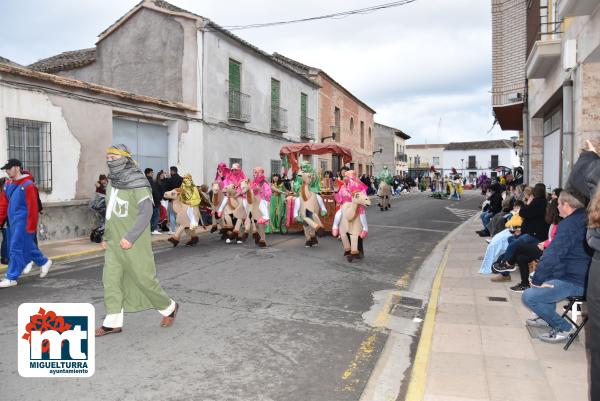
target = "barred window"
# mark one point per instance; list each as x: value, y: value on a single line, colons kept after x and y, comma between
x: 275, y: 167
x: 233, y: 160
x: 31, y: 142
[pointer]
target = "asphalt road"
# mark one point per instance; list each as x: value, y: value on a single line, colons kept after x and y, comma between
x: 283, y: 323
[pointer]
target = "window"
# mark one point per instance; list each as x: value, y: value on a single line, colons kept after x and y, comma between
x: 232, y: 161
x: 494, y: 161
x: 436, y: 161
x: 351, y: 125
x: 31, y: 143
x: 370, y: 138
x: 303, y: 115
x: 362, y: 134
x: 324, y: 164
x: 235, y: 75
x: 239, y: 103
x: 278, y: 115
x: 472, y: 162
x: 275, y: 167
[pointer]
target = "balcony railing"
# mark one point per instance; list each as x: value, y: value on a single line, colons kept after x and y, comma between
x: 307, y: 128
x: 401, y: 157
x: 471, y: 166
x: 545, y: 31
x: 239, y: 106
x: 279, y: 119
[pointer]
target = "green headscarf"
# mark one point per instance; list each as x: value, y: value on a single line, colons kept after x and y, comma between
x: 386, y: 176
x: 315, y: 184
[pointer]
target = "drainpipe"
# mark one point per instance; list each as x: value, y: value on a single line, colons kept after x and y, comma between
x: 567, y: 129
x: 526, y: 134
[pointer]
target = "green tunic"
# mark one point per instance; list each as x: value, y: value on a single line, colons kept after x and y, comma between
x: 129, y: 276
x: 277, y: 209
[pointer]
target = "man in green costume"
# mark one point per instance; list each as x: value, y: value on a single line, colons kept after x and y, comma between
x: 129, y: 276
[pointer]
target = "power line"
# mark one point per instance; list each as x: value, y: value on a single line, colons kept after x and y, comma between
x: 338, y: 15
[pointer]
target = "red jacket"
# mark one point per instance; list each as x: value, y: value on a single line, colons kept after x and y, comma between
x: 30, y: 199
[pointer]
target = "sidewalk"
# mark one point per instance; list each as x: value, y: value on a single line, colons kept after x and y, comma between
x: 481, y: 348
x: 81, y: 247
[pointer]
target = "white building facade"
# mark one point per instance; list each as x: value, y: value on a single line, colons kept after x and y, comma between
x: 471, y: 159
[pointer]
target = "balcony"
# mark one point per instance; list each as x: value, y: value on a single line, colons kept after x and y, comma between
x: 239, y: 106
x: 307, y: 128
x: 401, y: 157
x: 545, y: 52
x: 573, y: 8
x: 279, y: 119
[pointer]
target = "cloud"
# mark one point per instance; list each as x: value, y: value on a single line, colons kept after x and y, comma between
x: 413, y: 64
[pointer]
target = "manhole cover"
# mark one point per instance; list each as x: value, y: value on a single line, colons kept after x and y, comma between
x: 404, y: 312
x: 407, y: 301
x: 498, y: 299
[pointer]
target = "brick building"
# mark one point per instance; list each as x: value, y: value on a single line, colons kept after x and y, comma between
x: 343, y: 118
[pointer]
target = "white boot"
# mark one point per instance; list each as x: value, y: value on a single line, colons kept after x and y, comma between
x: 45, y: 268
x: 28, y: 268
x: 7, y: 283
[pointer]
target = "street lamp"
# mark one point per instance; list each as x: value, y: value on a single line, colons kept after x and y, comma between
x: 515, y: 143
x: 462, y: 167
x: 378, y: 151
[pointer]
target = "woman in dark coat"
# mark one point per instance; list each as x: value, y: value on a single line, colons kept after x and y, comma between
x: 584, y: 178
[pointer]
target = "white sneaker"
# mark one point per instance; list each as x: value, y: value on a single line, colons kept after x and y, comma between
x: 228, y: 241
x: 555, y: 336
x: 28, y: 268
x: 45, y: 268
x: 171, y: 233
x: 7, y: 283
x: 156, y: 232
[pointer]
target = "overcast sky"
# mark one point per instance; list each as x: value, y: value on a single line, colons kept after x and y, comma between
x: 415, y: 64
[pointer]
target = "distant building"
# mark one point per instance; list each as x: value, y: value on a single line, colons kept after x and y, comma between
x: 421, y: 157
x: 471, y: 159
x: 392, y: 142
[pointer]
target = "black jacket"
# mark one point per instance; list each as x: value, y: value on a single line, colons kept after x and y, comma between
x: 495, y: 202
x: 173, y: 182
x: 534, y: 219
x: 157, y: 194
x: 585, y: 174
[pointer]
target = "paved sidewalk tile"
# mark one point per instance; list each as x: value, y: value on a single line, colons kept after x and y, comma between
x: 481, y: 348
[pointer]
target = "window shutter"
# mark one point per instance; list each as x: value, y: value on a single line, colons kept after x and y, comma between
x: 235, y: 79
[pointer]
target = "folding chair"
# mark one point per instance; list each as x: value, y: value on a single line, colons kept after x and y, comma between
x: 574, y: 306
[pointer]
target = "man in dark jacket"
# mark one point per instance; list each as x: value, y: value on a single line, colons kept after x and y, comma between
x: 562, y: 271
x: 156, y: 198
x: 494, y: 207
x: 173, y: 182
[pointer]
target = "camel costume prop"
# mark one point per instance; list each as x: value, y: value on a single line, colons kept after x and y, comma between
x: 234, y: 214
x: 186, y: 202
x: 216, y: 200
x: 385, y: 188
x: 352, y: 230
x: 257, y: 219
x: 344, y: 195
x: 309, y: 205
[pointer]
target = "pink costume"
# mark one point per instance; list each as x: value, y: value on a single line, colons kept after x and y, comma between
x: 350, y: 185
x: 222, y: 173
x: 236, y: 175
x: 262, y: 189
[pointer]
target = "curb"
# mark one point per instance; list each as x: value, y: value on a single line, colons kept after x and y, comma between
x: 418, y: 377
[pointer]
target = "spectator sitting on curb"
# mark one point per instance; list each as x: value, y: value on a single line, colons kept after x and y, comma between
x: 494, y: 208
x: 528, y: 252
x: 562, y: 271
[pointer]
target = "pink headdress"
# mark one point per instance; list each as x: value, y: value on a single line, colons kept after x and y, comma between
x: 224, y: 170
x: 236, y: 174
